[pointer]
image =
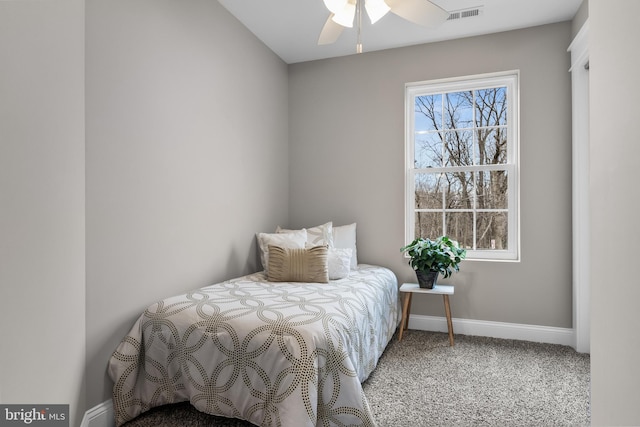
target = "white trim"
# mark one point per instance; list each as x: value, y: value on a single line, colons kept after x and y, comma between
x: 483, y: 328
x: 579, y: 49
x: 101, y: 415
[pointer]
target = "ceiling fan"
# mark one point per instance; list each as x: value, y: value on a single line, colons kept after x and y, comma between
x: 343, y: 12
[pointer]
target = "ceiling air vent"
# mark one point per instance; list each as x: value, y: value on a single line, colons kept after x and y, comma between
x: 465, y: 13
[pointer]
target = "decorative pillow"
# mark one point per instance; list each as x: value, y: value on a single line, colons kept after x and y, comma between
x: 298, y: 265
x: 339, y: 262
x: 316, y: 236
x: 345, y: 237
x: 296, y: 239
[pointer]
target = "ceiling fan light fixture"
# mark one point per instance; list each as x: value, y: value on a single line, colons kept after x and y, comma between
x: 335, y: 6
x: 345, y: 16
x: 421, y: 12
x: 376, y: 9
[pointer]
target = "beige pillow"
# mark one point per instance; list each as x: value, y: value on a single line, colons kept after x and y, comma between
x: 298, y: 265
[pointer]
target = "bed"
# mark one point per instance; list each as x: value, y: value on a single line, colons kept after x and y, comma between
x: 272, y: 352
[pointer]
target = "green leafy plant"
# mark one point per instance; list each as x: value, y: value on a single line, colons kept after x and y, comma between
x: 442, y: 255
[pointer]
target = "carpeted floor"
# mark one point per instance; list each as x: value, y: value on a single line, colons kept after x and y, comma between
x: 421, y: 381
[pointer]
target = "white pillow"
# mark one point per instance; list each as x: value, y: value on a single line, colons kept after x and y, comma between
x: 345, y: 237
x: 319, y: 235
x: 294, y: 240
x: 339, y: 262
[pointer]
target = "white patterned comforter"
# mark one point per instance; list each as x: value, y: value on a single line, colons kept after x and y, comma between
x: 275, y: 354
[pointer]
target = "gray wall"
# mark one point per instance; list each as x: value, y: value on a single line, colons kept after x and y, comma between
x: 346, y: 126
x: 187, y: 158
x: 614, y: 153
x: 42, y: 293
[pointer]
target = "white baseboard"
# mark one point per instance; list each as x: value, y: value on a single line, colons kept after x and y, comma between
x: 514, y: 331
x: 101, y: 415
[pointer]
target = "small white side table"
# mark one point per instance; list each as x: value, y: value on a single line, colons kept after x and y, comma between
x: 409, y: 289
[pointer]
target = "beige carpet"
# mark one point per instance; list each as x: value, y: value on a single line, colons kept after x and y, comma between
x: 422, y: 381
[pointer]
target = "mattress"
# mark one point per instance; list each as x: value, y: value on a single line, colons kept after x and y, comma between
x: 272, y: 353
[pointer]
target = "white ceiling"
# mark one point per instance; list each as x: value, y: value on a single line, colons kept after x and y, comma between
x: 291, y: 27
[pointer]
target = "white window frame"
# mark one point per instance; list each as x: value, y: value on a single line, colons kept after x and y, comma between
x: 510, y: 79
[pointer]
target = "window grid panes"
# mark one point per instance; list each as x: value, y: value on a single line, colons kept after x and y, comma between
x: 462, y: 163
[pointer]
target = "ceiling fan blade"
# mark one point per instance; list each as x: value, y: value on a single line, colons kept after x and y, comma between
x: 330, y: 32
x: 421, y: 12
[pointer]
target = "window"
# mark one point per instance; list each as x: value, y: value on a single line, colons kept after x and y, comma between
x: 461, y: 148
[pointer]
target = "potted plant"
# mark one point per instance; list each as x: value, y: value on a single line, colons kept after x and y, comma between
x: 432, y: 257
